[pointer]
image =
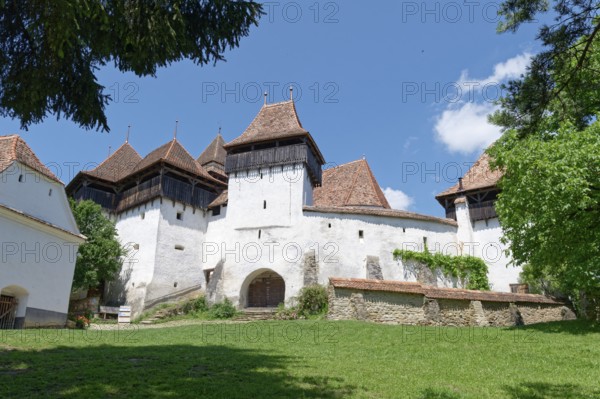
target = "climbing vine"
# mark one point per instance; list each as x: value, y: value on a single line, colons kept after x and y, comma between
x: 469, y: 269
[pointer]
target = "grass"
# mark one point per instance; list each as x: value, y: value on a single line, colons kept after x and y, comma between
x: 303, y: 359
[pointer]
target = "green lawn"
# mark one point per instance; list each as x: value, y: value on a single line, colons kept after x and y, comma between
x: 303, y: 359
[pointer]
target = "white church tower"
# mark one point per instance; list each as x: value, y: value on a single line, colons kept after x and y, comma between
x: 273, y: 167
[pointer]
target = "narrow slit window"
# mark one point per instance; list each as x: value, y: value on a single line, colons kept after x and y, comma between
x: 265, y: 204
x: 50, y: 193
x: 361, y: 234
x: 259, y: 234
x: 20, y: 178
x: 179, y: 247
x: 179, y: 215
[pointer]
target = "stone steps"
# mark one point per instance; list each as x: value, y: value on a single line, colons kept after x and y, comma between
x: 257, y: 314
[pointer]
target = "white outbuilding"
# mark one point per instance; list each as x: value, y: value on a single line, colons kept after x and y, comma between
x: 38, y: 240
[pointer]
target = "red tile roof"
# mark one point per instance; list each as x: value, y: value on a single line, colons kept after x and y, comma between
x: 351, y: 184
x: 118, y: 165
x: 390, y: 213
x: 220, y: 200
x: 13, y: 148
x: 214, y: 152
x: 479, y: 176
x: 435, y: 292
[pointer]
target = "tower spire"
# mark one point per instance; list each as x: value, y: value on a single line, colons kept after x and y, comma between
x: 291, y: 93
x: 175, y: 132
x: 128, y: 131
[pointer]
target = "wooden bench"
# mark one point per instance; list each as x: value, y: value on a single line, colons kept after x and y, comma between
x: 104, y: 310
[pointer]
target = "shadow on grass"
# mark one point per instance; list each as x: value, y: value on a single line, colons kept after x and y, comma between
x: 177, y: 371
x: 575, y: 327
x: 437, y: 393
x: 542, y: 390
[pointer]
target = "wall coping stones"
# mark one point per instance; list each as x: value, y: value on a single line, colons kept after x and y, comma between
x: 438, y: 293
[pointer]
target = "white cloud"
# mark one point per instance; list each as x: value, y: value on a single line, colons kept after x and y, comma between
x: 397, y: 198
x: 462, y: 126
x: 465, y: 128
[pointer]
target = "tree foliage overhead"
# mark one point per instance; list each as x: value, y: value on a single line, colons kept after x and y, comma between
x: 556, y: 86
x: 100, y: 257
x: 51, y: 50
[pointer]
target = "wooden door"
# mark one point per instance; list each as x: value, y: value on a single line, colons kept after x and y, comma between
x: 8, y: 311
x: 266, y: 291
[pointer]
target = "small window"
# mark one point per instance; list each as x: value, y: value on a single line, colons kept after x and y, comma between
x: 179, y: 215
x: 50, y: 193
x: 216, y: 211
x: 20, y: 178
x: 175, y: 284
x: 361, y: 234
x: 179, y: 247
x: 329, y: 225
x: 259, y: 234
x: 425, y: 241
x: 265, y: 204
x: 261, y: 175
x: 404, y: 229
x: 143, y: 215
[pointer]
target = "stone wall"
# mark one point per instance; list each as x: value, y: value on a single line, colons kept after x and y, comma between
x: 382, y: 302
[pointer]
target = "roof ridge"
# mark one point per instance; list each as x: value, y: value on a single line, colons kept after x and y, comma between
x: 296, y: 114
x: 351, y: 189
x: 171, y: 147
x: 376, y: 187
x: 113, y: 154
x: 14, y: 147
x: 278, y: 103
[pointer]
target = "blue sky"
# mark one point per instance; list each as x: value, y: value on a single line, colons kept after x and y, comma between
x: 398, y: 82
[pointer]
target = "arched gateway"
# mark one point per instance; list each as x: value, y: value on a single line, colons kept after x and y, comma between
x: 266, y: 290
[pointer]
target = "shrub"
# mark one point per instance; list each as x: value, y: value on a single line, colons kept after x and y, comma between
x: 284, y: 313
x: 197, y: 305
x: 82, y: 322
x: 223, y: 310
x: 312, y: 300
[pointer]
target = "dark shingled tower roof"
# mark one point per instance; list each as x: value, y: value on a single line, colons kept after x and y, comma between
x: 118, y: 165
x: 350, y: 185
x: 175, y: 154
x: 214, y: 152
x: 277, y: 121
x: 13, y: 148
x: 274, y: 121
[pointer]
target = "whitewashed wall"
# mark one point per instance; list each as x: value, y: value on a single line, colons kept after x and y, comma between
x: 36, y: 195
x: 486, y: 236
x: 40, y: 262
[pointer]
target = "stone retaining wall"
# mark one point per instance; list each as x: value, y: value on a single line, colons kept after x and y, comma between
x: 396, y: 302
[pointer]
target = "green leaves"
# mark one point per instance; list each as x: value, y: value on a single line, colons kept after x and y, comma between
x: 99, y: 258
x: 470, y: 270
x: 549, y: 206
x: 49, y: 51
x: 561, y: 83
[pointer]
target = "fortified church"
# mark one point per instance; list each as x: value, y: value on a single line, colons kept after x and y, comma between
x: 257, y: 219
